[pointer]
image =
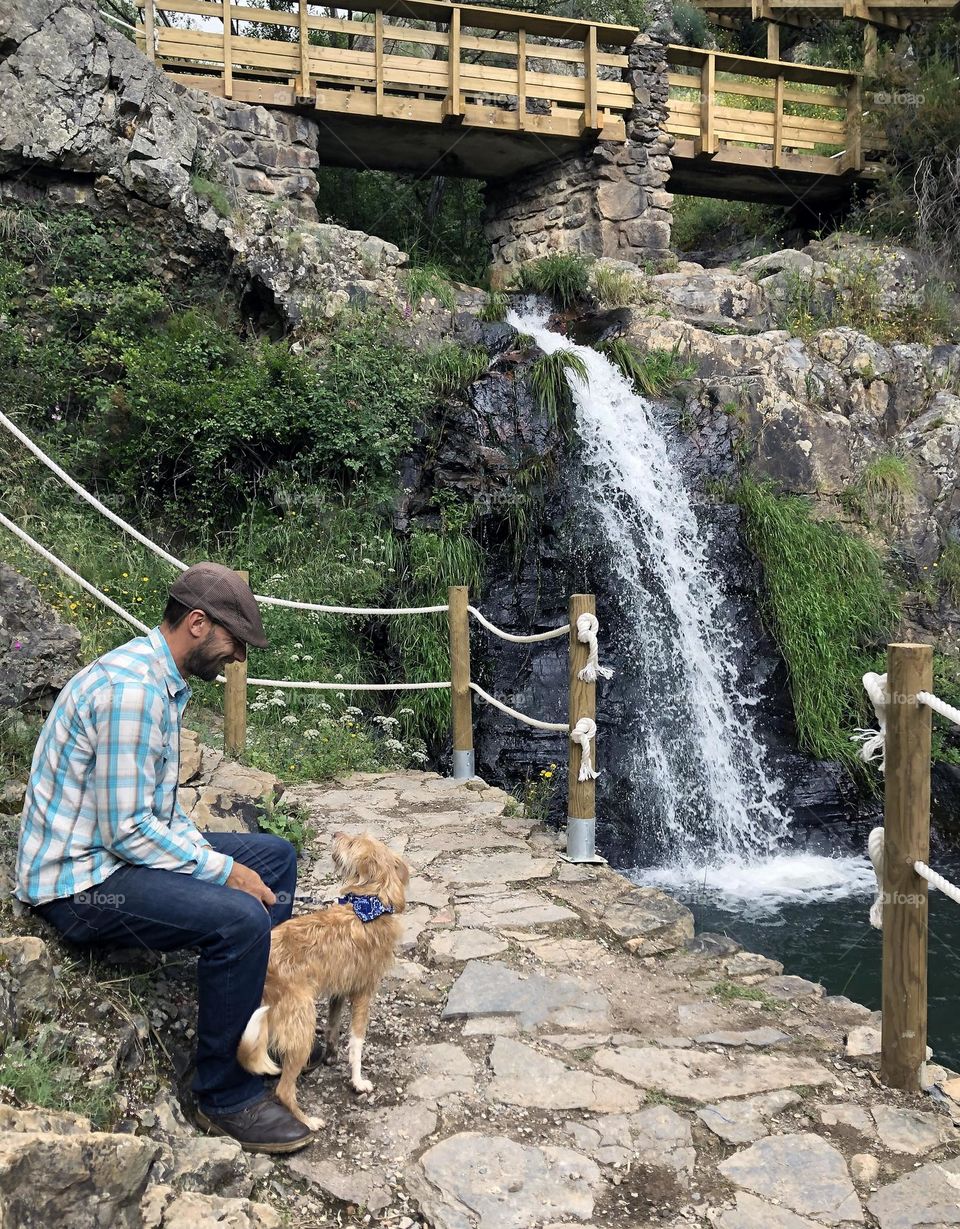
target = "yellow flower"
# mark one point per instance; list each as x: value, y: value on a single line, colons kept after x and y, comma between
x: 126, y: 573
x: 144, y: 577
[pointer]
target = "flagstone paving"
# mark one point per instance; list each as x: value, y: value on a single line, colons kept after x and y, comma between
x: 554, y: 1049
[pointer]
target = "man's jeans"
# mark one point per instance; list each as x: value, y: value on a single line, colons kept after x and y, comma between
x: 164, y: 910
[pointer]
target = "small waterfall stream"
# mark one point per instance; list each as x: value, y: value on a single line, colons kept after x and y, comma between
x: 702, y: 794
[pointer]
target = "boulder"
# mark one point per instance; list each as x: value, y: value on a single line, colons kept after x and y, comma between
x: 648, y: 921
x: 233, y: 799
x: 26, y: 970
x: 38, y: 653
x: 164, y: 1208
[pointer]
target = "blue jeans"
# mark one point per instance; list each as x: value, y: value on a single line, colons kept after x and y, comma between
x: 138, y: 906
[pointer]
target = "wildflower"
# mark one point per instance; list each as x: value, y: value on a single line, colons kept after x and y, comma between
x: 297, y: 644
x: 394, y: 744
x: 341, y: 695
x: 338, y: 678
x: 419, y: 757
x: 278, y: 701
x: 353, y: 711
x: 144, y: 577
x: 311, y: 734
x: 307, y: 657
x: 290, y: 719
x: 386, y: 723
x: 17, y: 645
x: 294, y: 656
x: 371, y: 562
x: 325, y: 706
x: 404, y: 712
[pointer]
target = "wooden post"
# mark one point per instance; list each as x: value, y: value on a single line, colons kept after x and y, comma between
x: 235, y: 704
x: 148, y: 27
x: 303, y: 82
x: 581, y: 795
x: 708, y: 90
x: 854, y: 125
x: 378, y: 59
x: 870, y: 50
x: 521, y: 79
x: 773, y: 41
x: 590, y: 125
x: 227, y: 51
x: 906, y: 826
x: 778, y: 121
x: 461, y: 706
x: 453, y: 103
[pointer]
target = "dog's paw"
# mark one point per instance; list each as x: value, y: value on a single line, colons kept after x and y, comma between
x: 315, y: 1124
x: 361, y: 1086
x: 329, y: 1058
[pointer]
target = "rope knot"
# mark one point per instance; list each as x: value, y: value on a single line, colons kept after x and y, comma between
x: 581, y: 734
x: 587, y: 627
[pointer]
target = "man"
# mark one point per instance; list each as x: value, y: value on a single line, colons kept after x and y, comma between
x: 107, y: 855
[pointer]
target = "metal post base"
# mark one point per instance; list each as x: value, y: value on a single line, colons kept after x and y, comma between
x: 463, y: 766
x: 581, y: 843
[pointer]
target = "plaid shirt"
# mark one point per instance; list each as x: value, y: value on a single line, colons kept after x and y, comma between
x: 103, y: 787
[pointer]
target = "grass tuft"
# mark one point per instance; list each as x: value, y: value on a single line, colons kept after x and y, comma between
x: 494, y: 309
x: 452, y: 367
x: 41, y: 1074
x: 215, y: 193
x: 826, y: 601
x: 564, y: 276
x: 548, y: 379
x: 615, y: 287
x: 429, y: 279
x: 652, y: 374
x: 883, y: 492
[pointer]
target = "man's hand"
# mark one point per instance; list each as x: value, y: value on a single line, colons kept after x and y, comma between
x: 246, y: 880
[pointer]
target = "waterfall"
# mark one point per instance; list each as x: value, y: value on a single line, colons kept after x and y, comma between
x: 702, y: 794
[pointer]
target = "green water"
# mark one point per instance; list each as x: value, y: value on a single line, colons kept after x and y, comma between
x: 832, y: 942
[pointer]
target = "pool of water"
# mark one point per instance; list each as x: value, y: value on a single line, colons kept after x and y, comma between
x: 811, y: 913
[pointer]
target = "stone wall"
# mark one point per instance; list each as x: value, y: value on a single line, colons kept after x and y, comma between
x: 609, y: 201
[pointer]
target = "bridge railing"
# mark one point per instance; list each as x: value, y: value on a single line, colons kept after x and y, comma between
x: 540, y: 74
x: 764, y: 112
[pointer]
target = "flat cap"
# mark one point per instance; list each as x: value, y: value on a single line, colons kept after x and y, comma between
x: 223, y: 596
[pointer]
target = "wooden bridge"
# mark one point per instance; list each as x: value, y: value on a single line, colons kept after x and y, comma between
x: 428, y: 86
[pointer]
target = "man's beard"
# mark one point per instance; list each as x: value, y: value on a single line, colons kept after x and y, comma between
x: 205, y: 662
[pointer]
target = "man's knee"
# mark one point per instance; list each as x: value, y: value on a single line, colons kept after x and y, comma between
x: 281, y: 854
x: 244, y: 922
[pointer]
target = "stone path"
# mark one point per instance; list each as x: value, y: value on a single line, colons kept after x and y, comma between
x: 555, y: 1049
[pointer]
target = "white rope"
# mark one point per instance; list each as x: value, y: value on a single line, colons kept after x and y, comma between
x: 91, y: 499
x: 110, y: 17
x: 512, y: 712
x: 349, y: 610
x: 939, y: 706
x: 874, y: 741
x: 178, y: 563
x: 875, y: 850
x: 875, y: 847
x: 57, y: 563
x: 309, y: 685
x: 587, y: 628
x: 581, y: 734
x: 497, y: 631
x: 937, y: 881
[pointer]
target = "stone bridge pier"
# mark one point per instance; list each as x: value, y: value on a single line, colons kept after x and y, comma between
x: 611, y: 200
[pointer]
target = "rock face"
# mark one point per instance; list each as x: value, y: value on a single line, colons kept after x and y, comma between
x: 85, y: 118
x: 38, y: 653
x: 611, y: 201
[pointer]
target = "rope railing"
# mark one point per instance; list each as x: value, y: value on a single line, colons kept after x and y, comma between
x: 904, y: 703
x: 585, y: 669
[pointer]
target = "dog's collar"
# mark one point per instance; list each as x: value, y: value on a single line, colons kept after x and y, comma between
x: 367, y: 908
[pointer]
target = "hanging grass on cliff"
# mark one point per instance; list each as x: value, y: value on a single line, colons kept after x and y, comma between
x: 828, y: 605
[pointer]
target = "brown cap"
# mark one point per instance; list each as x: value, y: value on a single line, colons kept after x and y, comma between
x: 225, y: 597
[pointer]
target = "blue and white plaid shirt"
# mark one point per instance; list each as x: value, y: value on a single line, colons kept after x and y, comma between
x: 103, y: 786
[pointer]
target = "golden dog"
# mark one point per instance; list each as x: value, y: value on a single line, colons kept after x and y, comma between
x: 334, y: 953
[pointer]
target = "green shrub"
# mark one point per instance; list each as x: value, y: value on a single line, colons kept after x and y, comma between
x: 548, y: 379
x: 827, y: 602
x: 653, y: 373
x: 562, y: 275
x: 39, y: 1072
x: 690, y: 23
x: 948, y: 571
x: 698, y: 220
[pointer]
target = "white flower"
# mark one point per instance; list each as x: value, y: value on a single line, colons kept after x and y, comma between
x: 394, y: 744
x: 316, y: 734
x: 307, y: 657
x: 338, y: 678
x: 279, y: 701
x: 372, y: 562
x: 294, y: 656
x: 419, y: 757
x: 386, y: 722
x: 297, y: 644
x: 278, y: 691
x: 288, y: 720
x: 276, y: 578
x: 326, y: 721
x: 341, y: 695
x: 258, y: 706
x: 353, y: 711
x: 404, y: 712
x: 325, y: 706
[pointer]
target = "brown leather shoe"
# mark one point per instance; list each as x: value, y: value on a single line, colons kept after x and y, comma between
x: 265, y: 1126
x: 318, y: 1056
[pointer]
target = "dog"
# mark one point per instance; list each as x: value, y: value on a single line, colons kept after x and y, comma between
x: 340, y: 952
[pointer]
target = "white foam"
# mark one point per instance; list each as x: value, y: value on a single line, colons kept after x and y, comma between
x: 763, y: 887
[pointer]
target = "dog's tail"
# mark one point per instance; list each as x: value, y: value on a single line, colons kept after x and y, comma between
x: 252, y: 1050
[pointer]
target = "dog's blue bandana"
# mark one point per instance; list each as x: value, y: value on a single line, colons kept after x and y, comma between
x: 367, y: 908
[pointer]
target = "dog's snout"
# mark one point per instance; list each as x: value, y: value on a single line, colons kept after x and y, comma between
x: 340, y: 836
